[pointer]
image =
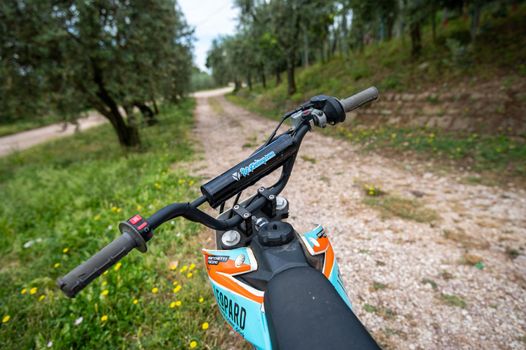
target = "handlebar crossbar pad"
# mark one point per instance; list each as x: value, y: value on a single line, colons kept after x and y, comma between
x: 82, y: 275
x: 249, y: 171
x: 359, y: 99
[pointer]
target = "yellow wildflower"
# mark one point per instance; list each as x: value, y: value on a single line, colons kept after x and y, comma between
x: 201, y: 299
x: 117, y: 266
x: 96, y: 217
x: 174, y: 283
x: 23, y: 291
x: 180, y: 181
x: 65, y: 250
x: 193, y: 344
x: 105, y: 292
x: 56, y: 266
x: 172, y: 304
x: 104, y: 318
x: 191, y: 182
x: 155, y: 290
x: 139, y: 208
x: 189, y: 275
x: 204, y: 326
x: 183, y: 269
x: 33, y: 290
x: 192, y: 266
x: 135, y: 301
x: 157, y: 185
x: 178, y: 303
x: 6, y: 319
x: 177, y: 288
x: 104, y: 283
x: 105, y: 273
x: 42, y: 297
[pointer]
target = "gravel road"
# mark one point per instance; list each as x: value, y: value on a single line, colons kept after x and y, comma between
x: 409, y: 281
x: 27, y: 139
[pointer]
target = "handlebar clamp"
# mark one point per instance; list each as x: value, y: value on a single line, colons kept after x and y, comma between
x: 331, y: 107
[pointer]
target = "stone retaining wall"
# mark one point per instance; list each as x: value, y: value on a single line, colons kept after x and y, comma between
x: 498, y: 112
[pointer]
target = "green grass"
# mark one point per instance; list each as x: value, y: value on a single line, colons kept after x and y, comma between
x: 67, y: 197
x: 479, y: 152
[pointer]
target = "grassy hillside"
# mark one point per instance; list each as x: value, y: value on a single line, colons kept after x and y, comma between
x: 61, y: 203
x: 496, y: 61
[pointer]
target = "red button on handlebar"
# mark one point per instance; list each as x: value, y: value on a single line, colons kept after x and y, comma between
x: 135, y: 219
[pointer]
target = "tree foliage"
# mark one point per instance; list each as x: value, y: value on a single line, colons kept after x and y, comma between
x: 276, y: 36
x: 110, y: 55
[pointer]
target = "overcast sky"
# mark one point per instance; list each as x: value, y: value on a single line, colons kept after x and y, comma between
x: 210, y: 18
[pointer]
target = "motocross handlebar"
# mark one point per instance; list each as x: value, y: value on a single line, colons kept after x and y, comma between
x: 281, y: 152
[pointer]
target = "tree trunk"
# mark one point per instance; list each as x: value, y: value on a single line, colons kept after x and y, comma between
x: 434, y: 25
x: 278, y: 77
x: 345, y: 36
x: 263, y: 78
x: 128, y: 134
x: 154, y: 104
x: 416, y: 38
x: 475, y: 20
x: 237, y: 85
x: 305, y: 49
x: 147, y: 113
x: 291, y: 82
x: 249, y: 82
x: 390, y: 25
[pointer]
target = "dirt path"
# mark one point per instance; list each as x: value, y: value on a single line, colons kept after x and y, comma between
x: 27, y: 139
x: 408, y: 281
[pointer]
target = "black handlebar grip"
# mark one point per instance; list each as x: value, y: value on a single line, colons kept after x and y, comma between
x: 359, y: 99
x: 82, y: 275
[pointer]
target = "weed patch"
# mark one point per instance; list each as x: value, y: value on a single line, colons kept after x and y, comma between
x: 394, y: 206
x: 458, y: 235
x: 376, y: 286
x: 453, y: 300
x: 308, y: 159
x: 432, y: 283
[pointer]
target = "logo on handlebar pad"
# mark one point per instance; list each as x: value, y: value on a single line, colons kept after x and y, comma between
x: 245, y: 171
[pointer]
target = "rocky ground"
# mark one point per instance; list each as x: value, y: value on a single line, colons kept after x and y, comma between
x: 430, y: 263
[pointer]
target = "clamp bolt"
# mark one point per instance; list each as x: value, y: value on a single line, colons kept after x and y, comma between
x: 246, y: 215
x: 271, y: 197
x: 236, y: 206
